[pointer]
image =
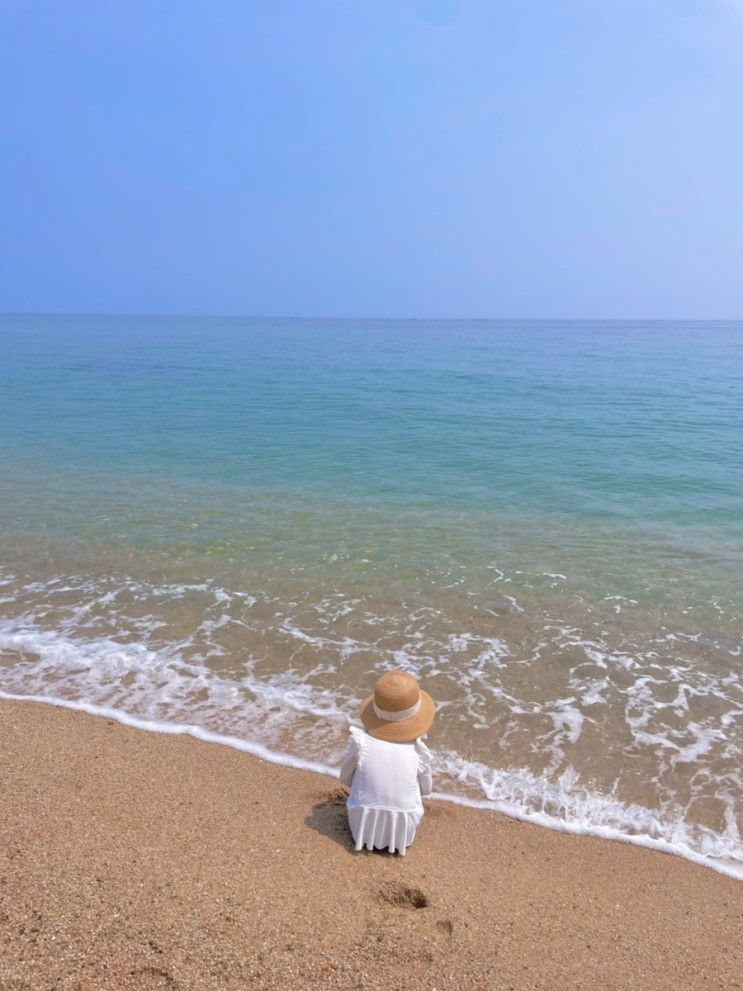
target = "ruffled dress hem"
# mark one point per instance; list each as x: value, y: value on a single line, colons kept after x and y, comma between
x: 382, y: 829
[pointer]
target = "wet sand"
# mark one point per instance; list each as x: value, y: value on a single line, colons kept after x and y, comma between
x: 136, y: 860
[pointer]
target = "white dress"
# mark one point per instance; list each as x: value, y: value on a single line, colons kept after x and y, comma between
x: 387, y: 781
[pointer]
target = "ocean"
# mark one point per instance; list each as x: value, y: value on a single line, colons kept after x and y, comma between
x: 231, y: 527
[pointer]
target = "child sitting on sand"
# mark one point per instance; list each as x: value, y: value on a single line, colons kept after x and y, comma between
x: 388, y: 767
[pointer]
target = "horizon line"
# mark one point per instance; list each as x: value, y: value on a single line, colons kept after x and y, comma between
x: 370, y: 319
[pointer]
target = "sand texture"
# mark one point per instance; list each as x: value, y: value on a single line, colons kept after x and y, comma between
x: 136, y: 860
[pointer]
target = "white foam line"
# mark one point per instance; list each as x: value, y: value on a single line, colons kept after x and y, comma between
x: 176, y: 729
x: 276, y: 757
x: 602, y: 832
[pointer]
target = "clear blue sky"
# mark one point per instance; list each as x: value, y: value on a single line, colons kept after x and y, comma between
x: 562, y: 158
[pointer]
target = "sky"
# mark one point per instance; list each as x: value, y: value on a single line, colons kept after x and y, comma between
x: 411, y: 158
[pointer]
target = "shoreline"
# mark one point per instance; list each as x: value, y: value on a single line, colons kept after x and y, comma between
x: 727, y: 869
x: 155, y: 860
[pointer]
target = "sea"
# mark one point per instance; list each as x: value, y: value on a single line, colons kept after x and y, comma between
x: 230, y: 527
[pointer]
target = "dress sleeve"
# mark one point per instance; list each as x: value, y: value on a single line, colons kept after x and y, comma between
x: 425, y: 777
x: 354, y: 756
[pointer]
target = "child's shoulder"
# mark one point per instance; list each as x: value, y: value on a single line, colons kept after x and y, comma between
x: 357, y: 732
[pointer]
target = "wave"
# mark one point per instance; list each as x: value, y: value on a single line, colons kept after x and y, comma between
x: 160, y: 684
x: 56, y: 652
x: 507, y: 807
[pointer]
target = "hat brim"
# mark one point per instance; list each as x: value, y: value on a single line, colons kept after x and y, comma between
x: 404, y: 731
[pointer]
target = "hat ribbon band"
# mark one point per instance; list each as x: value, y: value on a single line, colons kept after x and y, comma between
x: 395, y: 717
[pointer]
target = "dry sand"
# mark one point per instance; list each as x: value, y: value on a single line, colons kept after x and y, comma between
x: 136, y: 860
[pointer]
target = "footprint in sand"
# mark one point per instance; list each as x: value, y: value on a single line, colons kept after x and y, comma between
x: 154, y: 979
x: 404, y: 897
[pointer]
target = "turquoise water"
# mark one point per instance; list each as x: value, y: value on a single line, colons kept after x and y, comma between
x: 630, y: 422
x: 239, y: 523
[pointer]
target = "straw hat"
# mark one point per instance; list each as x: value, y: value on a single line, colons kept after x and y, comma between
x: 398, y: 711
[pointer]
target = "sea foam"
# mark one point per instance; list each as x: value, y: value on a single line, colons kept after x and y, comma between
x: 160, y: 691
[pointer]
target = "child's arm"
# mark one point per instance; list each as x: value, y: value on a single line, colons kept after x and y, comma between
x: 349, y: 763
x: 425, y: 777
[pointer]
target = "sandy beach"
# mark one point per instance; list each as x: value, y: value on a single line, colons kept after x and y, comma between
x: 136, y: 860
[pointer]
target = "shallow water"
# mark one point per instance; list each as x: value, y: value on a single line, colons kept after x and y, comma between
x: 237, y: 524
